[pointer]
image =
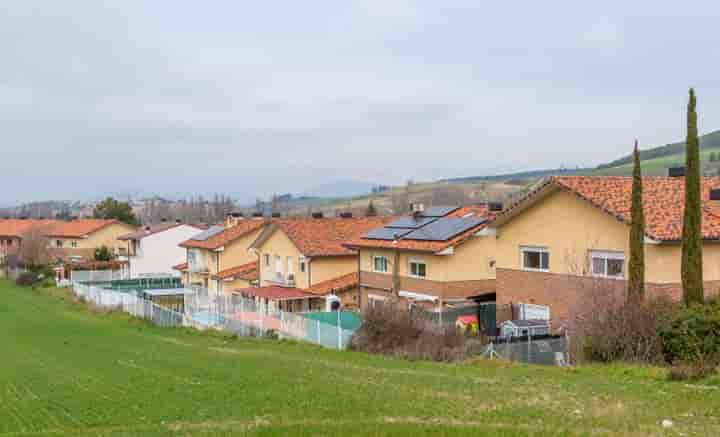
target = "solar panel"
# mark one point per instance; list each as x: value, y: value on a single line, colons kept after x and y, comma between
x: 204, y: 235
x: 444, y: 228
x: 438, y: 211
x: 410, y: 222
x: 387, y: 233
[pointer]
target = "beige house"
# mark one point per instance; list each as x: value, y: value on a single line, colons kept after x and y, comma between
x: 308, y: 255
x: 78, y: 239
x: 565, y: 244
x: 218, y: 258
x: 433, y: 257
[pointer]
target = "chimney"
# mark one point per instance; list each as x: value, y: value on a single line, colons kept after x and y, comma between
x: 178, y: 221
x: 417, y: 209
x: 345, y: 215
x: 317, y: 215
x: 163, y: 220
x: 276, y: 215
x: 676, y: 172
x: 257, y: 214
x: 232, y: 218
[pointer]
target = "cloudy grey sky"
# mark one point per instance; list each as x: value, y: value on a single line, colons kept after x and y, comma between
x: 250, y: 98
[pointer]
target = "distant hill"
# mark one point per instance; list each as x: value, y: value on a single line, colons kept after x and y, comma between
x: 707, y: 141
x: 339, y: 188
x: 522, y: 175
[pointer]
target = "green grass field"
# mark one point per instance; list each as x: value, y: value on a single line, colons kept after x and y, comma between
x: 65, y: 370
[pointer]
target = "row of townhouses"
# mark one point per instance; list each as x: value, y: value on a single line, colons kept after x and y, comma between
x: 563, y: 245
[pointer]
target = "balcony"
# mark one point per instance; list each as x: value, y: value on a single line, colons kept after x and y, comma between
x: 281, y: 279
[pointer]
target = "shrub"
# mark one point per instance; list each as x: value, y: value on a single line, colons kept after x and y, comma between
x: 627, y: 332
x: 27, y: 279
x: 693, y: 336
x: 693, y: 370
x: 103, y: 253
x: 389, y: 330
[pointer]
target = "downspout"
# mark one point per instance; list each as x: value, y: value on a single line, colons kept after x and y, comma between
x: 217, y: 270
x: 396, y: 274
x: 359, y: 282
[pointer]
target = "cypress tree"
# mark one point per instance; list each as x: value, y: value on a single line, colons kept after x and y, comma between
x: 636, y: 265
x: 691, y: 271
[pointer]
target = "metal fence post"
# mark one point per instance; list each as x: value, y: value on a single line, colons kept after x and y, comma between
x: 318, y: 331
x: 339, y: 331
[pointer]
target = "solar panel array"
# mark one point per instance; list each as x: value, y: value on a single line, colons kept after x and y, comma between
x: 387, y: 233
x: 204, y: 235
x: 444, y: 228
x: 410, y: 222
x: 438, y: 211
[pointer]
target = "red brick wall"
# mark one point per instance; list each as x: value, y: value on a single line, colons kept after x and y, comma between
x: 570, y: 297
x: 445, y: 290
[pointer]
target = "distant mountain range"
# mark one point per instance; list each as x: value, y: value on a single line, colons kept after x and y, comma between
x: 339, y: 188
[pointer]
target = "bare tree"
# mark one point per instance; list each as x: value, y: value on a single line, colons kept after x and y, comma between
x: 448, y: 195
x: 34, y: 247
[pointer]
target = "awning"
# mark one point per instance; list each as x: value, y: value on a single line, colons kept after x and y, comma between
x: 277, y: 293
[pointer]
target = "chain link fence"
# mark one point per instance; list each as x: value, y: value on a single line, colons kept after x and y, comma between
x: 546, y: 350
x: 225, y: 312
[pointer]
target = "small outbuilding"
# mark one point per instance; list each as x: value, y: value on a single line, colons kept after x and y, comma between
x: 524, y: 328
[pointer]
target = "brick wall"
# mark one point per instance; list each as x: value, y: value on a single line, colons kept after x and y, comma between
x: 571, y: 297
x: 445, y: 290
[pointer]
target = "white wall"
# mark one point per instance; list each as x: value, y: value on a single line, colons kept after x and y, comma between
x: 158, y: 252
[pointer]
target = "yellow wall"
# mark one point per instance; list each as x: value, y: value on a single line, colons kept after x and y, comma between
x: 470, y: 261
x: 317, y: 269
x: 570, y: 227
x: 106, y: 236
x: 236, y: 253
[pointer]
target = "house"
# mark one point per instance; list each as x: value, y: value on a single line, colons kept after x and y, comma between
x: 308, y: 254
x: 153, y: 250
x: 78, y: 239
x: 218, y: 259
x: 431, y: 257
x: 565, y: 244
x: 12, y: 231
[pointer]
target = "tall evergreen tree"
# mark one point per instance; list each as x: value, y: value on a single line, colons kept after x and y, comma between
x: 636, y: 265
x: 692, y: 274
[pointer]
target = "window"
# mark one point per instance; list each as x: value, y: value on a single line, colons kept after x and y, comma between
x: 535, y: 258
x: 290, y: 266
x: 267, y: 260
x: 302, y: 265
x: 607, y: 264
x: 278, y: 264
x: 418, y: 269
x: 73, y: 243
x: 374, y: 300
x: 380, y: 264
x: 58, y: 243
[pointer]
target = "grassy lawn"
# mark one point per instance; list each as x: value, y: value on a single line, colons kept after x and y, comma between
x: 67, y: 371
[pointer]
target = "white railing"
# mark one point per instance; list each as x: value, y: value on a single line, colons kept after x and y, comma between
x: 231, y: 313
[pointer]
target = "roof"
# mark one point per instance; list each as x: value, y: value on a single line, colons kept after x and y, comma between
x: 274, y: 292
x: 468, y: 319
x: 663, y: 202
x: 181, y: 266
x: 15, y: 228
x: 339, y: 284
x: 245, y: 271
x: 528, y: 323
x: 322, y: 237
x: 241, y: 229
x: 154, y: 229
x: 404, y: 243
x: 78, y: 228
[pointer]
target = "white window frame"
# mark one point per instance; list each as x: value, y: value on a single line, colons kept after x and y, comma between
x: 374, y: 300
x: 374, y: 265
x: 266, y: 259
x: 303, y: 264
x: 606, y: 255
x: 416, y: 261
x: 541, y: 250
x: 59, y: 243
x: 278, y: 264
x: 290, y: 266
x: 73, y: 244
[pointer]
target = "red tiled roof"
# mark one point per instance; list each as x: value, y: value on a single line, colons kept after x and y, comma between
x: 468, y: 319
x: 246, y: 271
x: 154, y: 229
x: 77, y: 228
x: 14, y: 228
x: 429, y: 246
x: 341, y: 283
x: 663, y: 201
x: 241, y: 229
x: 275, y: 292
x: 181, y: 266
x: 324, y: 237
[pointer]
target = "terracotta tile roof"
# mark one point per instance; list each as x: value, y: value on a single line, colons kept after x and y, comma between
x: 246, y: 271
x: 326, y: 236
x: 241, y: 229
x: 181, y: 266
x: 154, y: 229
x: 274, y: 292
x: 14, y: 228
x: 77, y: 228
x: 429, y: 246
x: 341, y: 283
x: 663, y: 201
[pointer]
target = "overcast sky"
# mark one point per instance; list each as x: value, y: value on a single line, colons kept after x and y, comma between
x: 255, y: 97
